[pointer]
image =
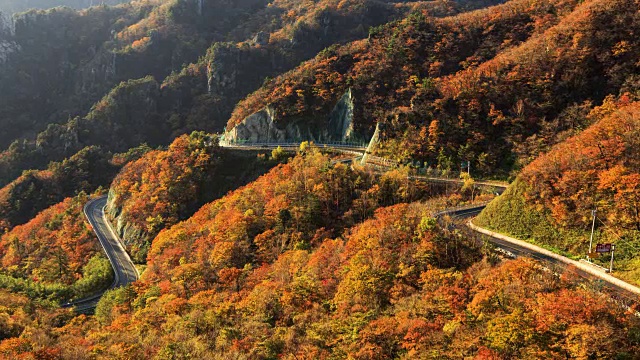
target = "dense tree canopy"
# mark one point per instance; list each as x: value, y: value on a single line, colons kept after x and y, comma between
x: 151, y: 71
x: 315, y: 258
x: 494, y: 86
x: 597, y: 169
x: 162, y: 187
x: 393, y: 286
x: 55, y: 255
x: 35, y: 190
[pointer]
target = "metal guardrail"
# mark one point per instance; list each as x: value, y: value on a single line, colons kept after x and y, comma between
x: 355, y: 149
x: 377, y: 160
x: 619, y: 290
x: 485, y: 184
x: 461, y: 209
x: 292, y: 143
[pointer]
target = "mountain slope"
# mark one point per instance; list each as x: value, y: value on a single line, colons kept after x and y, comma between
x: 241, y: 278
x: 34, y: 191
x: 552, y: 199
x: 482, y: 86
x: 129, y: 43
x: 317, y: 258
x: 55, y: 256
x: 8, y: 7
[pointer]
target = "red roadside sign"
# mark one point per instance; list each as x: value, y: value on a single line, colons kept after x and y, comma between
x: 603, y: 248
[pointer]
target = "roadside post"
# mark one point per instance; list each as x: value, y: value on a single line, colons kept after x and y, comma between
x: 593, y: 227
x: 602, y: 249
x: 613, y: 248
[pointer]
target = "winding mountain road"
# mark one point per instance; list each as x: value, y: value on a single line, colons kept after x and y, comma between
x: 616, y: 288
x: 124, y: 270
x: 619, y: 290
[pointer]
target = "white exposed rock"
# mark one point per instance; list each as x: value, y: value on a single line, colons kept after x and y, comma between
x: 341, y: 119
x: 262, y: 126
x: 7, y: 48
x: 262, y: 38
x: 200, y: 6
x: 372, y: 144
x: 127, y: 232
x: 221, y: 72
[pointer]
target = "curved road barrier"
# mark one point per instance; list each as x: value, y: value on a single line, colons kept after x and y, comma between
x: 617, y: 289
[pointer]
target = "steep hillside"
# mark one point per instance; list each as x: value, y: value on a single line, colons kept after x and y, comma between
x: 53, y: 66
x: 386, y: 288
x: 162, y: 188
x: 299, y: 255
x: 492, y: 86
x: 129, y: 42
x: 55, y: 256
x: 552, y: 199
x: 67, y: 60
x: 34, y: 191
x: 8, y: 7
x: 20, y: 314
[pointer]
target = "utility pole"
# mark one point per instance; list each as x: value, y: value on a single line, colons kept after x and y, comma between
x: 593, y: 227
x: 613, y: 247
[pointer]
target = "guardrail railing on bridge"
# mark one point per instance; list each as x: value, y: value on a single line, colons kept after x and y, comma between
x: 293, y: 143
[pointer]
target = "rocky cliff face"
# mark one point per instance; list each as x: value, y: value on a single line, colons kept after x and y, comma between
x: 126, y: 231
x: 97, y: 74
x: 341, y: 119
x: 7, y: 48
x: 232, y: 69
x: 221, y: 70
x: 57, y: 59
x: 12, y: 6
x: 263, y: 126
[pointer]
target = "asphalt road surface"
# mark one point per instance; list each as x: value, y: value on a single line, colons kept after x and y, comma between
x: 124, y: 270
x: 512, y: 250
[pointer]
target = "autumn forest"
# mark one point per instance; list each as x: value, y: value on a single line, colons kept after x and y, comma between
x: 297, y: 179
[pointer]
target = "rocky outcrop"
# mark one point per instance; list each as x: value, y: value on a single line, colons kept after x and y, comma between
x: 7, y: 48
x: 62, y: 139
x: 262, y: 38
x: 263, y: 126
x: 98, y: 74
x: 341, y: 119
x: 375, y: 139
x: 13, y: 7
x: 126, y: 231
x: 222, y: 69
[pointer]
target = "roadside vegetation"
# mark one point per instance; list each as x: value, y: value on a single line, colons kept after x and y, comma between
x: 551, y: 202
x: 321, y: 260
x: 276, y: 255
x: 55, y: 256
